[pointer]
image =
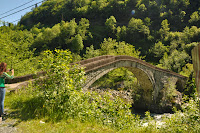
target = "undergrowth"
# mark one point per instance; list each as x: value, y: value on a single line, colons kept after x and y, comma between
x: 58, y: 96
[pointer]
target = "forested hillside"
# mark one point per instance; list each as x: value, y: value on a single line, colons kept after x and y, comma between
x: 164, y: 31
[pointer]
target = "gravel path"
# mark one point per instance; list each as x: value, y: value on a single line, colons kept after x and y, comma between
x: 8, y: 125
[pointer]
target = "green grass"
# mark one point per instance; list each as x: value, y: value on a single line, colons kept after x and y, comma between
x: 69, y: 126
x: 25, y: 122
x: 28, y: 124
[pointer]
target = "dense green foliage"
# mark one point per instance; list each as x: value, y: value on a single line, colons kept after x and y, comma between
x: 15, y: 50
x: 186, y: 121
x: 63, y: 35
x: 161, y: 30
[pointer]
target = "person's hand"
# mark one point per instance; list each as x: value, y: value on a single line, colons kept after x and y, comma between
x: 12, y: 71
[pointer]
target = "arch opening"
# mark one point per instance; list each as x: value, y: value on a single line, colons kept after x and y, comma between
x: 180, y: 85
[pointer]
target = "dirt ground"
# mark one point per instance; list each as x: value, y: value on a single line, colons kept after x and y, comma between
x: 8, y: 124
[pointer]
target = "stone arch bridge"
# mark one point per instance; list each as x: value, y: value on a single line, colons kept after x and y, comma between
x: 150, y: 77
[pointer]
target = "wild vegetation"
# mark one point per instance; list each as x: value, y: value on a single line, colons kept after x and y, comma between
x: 161, y: 32
x: 58, y: 98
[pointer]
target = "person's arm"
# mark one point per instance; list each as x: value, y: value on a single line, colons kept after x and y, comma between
x: 8, y: 76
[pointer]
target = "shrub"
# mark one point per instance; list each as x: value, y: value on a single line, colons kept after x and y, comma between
x: 58, y: 96
x: 184, y: 121
x: 61, y: 80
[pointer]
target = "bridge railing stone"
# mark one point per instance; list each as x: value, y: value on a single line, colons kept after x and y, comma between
x: 124, y: 57
x: 83, y: 62
x: 24, y: 78
x: 111, y: 59
x: 98, y: 63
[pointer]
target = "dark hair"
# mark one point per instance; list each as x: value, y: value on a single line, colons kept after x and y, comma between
x: 3, y: 66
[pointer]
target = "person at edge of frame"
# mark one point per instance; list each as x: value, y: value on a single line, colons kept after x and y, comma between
x: 3, y: 76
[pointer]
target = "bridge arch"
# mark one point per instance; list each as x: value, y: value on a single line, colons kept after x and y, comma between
x: 143, y: 75
x: 150, y: 77
x: 144, y: 79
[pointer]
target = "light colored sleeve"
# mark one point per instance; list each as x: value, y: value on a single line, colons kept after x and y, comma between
x: 8, y: 76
